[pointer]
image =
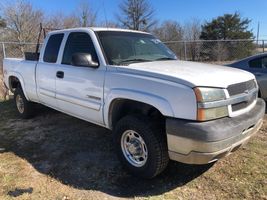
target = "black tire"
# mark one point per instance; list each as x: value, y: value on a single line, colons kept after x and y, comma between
x: 26, y: 109
x: 155, y: 141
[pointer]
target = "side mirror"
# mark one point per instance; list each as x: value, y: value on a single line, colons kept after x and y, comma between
x: 83, y: 60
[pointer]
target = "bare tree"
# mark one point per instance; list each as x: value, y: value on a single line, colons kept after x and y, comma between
x: 22, y: 25
x: 2, y: 22
x: 70, y: 21
x: 2, y: 30
x: 22, y: 21
x: 61, y: 21
x: 108, y: 24
x: 83, y: 16
x: 169, y: 31
x: 86, y: 16
x: 136, y: 15
x: 3, y: 90
x: 192, y: 31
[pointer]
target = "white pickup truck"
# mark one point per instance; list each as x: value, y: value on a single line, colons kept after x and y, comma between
x: 158, y: 107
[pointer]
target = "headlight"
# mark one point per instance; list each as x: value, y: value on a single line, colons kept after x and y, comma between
x: 210, y: 95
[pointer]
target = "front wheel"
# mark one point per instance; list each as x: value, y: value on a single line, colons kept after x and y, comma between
x: 141, y: 146
x: 25, y: 108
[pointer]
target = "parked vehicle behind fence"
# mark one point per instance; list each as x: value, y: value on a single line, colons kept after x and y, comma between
x: 257, y: 65
x: 158, y: 108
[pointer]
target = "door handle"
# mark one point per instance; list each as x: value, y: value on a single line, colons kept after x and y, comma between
x: 60, y: 74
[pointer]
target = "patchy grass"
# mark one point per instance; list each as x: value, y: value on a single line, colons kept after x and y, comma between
x: 55, y: 156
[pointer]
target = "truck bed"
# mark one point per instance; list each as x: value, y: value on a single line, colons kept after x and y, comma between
x: 25, y: 70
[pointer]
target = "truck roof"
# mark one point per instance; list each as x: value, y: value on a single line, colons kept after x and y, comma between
x: 96, y: 29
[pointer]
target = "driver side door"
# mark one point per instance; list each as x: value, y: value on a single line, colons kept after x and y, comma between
x: 79, y: 90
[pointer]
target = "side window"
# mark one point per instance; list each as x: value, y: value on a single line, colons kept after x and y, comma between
x: 258, y: 63
x: 52, y: 48
x: 78, y: 42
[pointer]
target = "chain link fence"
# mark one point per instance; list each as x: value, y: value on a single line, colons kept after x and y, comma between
x: 212, y: 51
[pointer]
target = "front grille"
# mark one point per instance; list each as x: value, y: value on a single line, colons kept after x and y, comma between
x: 241, y: 105
x: 240, y: 88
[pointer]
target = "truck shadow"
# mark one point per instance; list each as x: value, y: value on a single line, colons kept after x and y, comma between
x: 81, y: 155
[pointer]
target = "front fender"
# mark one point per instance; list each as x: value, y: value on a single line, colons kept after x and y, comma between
x: 156, y: 101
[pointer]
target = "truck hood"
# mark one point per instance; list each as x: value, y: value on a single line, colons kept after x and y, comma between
x: 190, y: 73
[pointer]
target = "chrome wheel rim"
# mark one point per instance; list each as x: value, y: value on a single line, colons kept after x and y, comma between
x: 20, y: 104
x: 134, y: 148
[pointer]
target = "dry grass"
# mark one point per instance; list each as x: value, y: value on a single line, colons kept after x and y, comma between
x: 54, y: 156
x: 3, y: 90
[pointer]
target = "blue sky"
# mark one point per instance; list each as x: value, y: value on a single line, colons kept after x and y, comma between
x: 180, y: 10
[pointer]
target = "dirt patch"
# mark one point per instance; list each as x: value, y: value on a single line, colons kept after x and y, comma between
x: 55, y: 156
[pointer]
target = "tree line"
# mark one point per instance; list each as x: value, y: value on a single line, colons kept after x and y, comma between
x: 20, y: 22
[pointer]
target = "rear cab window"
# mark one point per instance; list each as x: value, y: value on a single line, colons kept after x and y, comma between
x: 52, y: 48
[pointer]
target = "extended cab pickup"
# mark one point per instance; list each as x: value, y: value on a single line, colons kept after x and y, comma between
x: 158, y: 107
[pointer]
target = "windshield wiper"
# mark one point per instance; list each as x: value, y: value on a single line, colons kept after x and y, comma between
x: 165, y: 58
x: 134, y: 60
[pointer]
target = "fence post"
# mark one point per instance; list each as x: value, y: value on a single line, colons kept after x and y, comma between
x: 4, y: 51
x: 185, y: 51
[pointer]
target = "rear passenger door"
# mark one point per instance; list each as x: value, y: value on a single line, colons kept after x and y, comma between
x: 46, y: 70
x: 79, y: 90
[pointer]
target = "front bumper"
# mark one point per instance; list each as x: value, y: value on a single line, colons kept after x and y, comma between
x: 205, y: 142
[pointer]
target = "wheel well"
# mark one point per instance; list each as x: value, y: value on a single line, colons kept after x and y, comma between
x: 122, y: 107
x: 13, y: 83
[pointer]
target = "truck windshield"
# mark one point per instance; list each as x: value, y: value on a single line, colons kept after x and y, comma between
x: 123, y: 48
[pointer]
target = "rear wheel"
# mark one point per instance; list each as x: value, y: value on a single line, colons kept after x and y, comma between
x: 141, y: 146
x: 24, y: 107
